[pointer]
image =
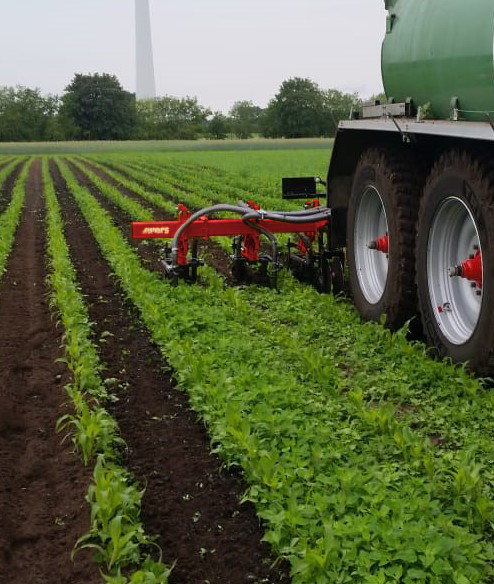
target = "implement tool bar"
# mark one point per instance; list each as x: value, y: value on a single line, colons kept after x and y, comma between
x: 205, y: 228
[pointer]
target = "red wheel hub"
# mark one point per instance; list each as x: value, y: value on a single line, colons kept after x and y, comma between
x: 381, y: 244
x: 470, y: 269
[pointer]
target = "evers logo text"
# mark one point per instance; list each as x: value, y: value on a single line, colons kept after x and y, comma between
x: 156, y: 231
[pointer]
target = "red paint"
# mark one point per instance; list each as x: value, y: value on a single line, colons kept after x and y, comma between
x: 205, y: 227
x: 382, y: 244
x: 472, y: 269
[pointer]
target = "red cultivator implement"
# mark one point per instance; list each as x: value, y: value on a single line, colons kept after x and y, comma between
x: 310, y: 258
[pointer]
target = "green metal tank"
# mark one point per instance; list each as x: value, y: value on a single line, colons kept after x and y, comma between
x: 438, y: 50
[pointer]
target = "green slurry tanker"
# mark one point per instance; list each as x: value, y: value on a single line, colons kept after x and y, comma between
x: 411, y: 181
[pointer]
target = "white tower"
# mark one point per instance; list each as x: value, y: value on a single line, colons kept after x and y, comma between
x: 145, y: 85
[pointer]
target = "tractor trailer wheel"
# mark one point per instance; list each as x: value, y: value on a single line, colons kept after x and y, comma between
x: 381, y: 219
x: 455, y: 260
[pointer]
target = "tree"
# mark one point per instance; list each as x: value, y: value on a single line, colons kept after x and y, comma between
x: 245, y: 119
x: 297, y: 110
x: 219, y: 126
x: 169, y: 118
x: 25, y: 115
x: 96, y: 107
x: 337, y: 107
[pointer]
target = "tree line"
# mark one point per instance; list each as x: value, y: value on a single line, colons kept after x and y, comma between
x: 96, y: 107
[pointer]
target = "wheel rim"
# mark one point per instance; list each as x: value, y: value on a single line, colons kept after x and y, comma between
x: 456, y: 302
x: 371, y: 265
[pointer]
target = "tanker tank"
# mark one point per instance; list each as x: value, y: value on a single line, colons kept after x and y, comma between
x: 440, y: 52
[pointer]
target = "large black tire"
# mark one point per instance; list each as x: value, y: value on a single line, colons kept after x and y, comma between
x: 396, y: 179
x: 463, y: 181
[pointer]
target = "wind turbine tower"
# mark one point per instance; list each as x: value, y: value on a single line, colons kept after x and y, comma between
x: 145, y: 84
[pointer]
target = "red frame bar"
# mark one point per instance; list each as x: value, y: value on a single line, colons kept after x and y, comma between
x: 205, y: 228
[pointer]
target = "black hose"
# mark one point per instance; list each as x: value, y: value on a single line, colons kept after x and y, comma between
x: 313, y: 210
x: 249, y: 215
x: 198, y: 215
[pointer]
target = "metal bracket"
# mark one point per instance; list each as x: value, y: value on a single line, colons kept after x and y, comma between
x: 404, y: 135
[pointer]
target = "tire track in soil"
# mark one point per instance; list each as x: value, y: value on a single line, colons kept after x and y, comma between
x: 216, y: 255
x: 190, y: 501
x: 42, y: 483
x: 8, y: 185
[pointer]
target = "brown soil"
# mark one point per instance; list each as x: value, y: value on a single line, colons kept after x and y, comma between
x: 42, y: 483
x: 191, y: 503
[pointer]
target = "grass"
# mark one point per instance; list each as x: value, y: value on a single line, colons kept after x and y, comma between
x: 163, y: 145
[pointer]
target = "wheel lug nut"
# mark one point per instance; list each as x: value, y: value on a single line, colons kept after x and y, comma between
x: 473, y: 285
x: 476, y: 247
x: 372, y: 245
x: 471, y: 256
x: 479, y: 293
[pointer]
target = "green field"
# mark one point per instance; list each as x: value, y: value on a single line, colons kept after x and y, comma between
x: 163, y: 145
x: 368, y: 462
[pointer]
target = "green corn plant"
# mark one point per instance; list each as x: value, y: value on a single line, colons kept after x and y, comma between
x: 93, y: 431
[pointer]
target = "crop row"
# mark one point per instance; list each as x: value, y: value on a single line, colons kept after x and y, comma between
x: 9, y: 219
x: 204, y: 183
x: 116, y: 532
x: 259, y: 170
x: 6, y: 170
x: 348, y: 490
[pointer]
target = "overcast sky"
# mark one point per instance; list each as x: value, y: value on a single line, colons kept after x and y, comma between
x: 220, y: 51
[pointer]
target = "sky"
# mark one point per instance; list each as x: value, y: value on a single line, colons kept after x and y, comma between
x: 220, y: 51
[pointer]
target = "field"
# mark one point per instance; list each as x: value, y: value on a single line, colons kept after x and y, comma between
x: 214, y: 433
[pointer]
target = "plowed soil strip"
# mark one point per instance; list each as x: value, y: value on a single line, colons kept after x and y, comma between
x: 7, y: 186
x: 42, y: 483
x: 190, y: 502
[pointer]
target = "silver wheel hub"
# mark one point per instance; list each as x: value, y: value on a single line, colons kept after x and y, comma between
x: 371, y: 265
x: 456, y: 301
